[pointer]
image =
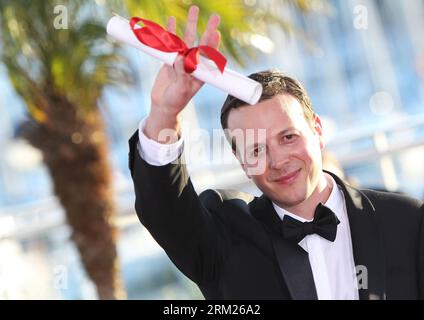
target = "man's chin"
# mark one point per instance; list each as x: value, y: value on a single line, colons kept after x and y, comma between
x: 289, y: 203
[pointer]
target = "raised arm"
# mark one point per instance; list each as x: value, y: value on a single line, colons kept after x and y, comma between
x: 195, y: 238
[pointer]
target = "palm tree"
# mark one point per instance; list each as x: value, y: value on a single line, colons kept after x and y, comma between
x: 61, y: 75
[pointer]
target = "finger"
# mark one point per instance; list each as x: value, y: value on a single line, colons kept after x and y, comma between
x: 190, y: 32
x: 186, y: 80
x: 169, y: 70
x: 188, y: 84
x: 179, y: 68
x: 209, y: 37
x: 215, y: 39
x: 171, y: 25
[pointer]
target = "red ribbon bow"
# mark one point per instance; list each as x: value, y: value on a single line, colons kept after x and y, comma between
x: 154, y: 36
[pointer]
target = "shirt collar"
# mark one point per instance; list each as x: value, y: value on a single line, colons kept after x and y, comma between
x: 334, y: 202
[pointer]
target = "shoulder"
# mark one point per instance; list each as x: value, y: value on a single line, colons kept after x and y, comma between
x: 393, y: 198
x: 397, y: 203
x: 213, y: 198
x: 223, y: 195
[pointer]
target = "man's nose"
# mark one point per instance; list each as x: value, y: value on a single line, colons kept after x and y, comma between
x: 277, y: 158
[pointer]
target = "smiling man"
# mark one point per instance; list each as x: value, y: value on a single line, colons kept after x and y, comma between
x: 290, y: 157
x: 309, y: 236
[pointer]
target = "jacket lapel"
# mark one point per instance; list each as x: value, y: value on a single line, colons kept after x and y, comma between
x: 367, y: 243
x: 367, y: 247
x: 293, y: 261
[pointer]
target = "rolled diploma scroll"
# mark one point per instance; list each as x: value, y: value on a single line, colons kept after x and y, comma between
x: 230, y: 81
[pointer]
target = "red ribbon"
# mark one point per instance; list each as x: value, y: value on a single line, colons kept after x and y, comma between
x: 154, y: 36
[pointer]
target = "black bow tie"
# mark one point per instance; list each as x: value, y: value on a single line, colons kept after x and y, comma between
x: 324, y: 224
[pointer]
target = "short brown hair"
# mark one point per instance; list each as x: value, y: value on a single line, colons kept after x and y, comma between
x: 274, y: 82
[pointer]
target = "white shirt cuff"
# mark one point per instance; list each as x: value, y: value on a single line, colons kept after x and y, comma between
x: 155, y: 153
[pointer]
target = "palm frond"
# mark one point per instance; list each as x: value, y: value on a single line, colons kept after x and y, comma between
x: 72, y: 62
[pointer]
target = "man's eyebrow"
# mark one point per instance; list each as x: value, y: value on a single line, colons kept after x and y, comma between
x: 285, y: 131
x: 281, y: 133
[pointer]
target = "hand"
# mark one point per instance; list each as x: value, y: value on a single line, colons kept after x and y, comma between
x: 173, y: 87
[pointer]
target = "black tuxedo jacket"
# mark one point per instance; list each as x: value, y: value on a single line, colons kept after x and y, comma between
x: 229, y: 243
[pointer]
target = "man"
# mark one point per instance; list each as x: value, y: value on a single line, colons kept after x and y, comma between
x: 309, y: 236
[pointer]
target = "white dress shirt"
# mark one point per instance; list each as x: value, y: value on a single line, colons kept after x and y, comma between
x: 155, y: 153
x: 332, y: 263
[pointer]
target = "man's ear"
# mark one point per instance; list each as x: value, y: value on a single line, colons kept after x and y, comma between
x: 318, y: 130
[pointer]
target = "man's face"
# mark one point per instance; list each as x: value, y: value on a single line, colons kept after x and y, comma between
x: 279, y: 149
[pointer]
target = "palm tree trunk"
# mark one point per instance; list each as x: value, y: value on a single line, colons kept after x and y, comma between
x: 75, y: 152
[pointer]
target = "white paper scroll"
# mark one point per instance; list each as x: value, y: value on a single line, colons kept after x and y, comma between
x: 230, y: 81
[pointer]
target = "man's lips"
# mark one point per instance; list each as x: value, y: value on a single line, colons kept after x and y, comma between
x: 288, y: 178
